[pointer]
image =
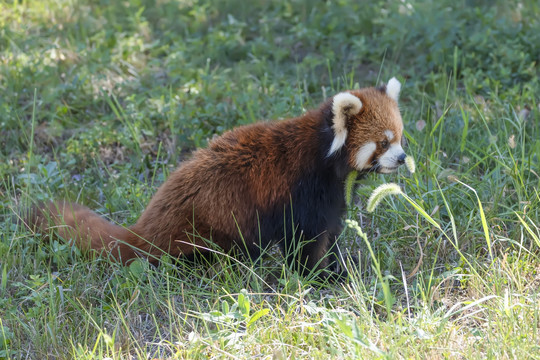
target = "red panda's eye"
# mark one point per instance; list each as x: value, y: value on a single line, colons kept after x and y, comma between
x: 384, y: 144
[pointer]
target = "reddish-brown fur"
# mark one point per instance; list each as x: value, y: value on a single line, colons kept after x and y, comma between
x: 246, y: 176
x: 384, y: 114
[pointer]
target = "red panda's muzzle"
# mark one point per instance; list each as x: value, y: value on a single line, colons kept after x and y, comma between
x: 390, y: 160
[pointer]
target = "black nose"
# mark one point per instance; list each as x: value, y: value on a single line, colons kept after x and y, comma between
x: 401, y: 159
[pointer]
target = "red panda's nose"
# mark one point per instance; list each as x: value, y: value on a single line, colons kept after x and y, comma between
x: 401, y: 159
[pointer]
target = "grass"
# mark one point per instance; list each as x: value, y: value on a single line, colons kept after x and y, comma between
x: 100, y: 101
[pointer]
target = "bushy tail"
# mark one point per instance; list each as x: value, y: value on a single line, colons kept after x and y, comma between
x: 87, y: 230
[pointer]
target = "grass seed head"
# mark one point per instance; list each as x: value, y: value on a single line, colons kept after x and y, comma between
x: 380, y: 193
x: 409, y: 162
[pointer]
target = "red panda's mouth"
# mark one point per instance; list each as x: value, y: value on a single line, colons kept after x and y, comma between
x: 391, y: 160
x: 378, y: 168
x: 387, y: 170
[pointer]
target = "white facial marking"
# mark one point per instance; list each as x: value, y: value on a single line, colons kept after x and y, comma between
x: 343, y: 106
x: 364, y: 154
x: 339, y: 141
x: 393, y: 88
x: 389, y: 135
x: 389, y: 160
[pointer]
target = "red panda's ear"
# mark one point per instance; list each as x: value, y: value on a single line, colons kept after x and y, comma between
x: 393, y: 88
x: 344, y: 105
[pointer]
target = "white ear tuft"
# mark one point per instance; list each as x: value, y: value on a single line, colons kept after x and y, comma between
x: 393, y: 88
x: 344, y: 105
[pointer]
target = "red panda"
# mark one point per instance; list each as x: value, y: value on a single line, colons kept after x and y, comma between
x: 269, y: 182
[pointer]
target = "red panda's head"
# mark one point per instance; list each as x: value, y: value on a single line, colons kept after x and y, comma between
x: 367, y: 122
